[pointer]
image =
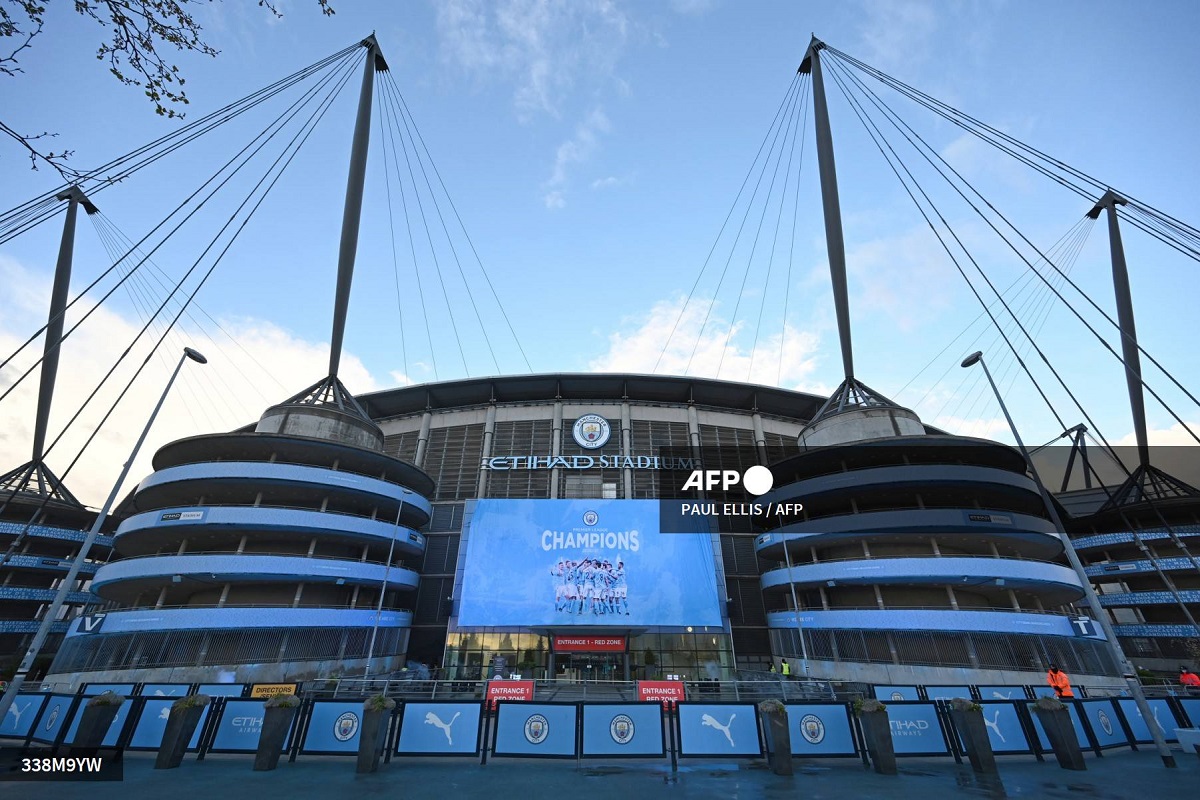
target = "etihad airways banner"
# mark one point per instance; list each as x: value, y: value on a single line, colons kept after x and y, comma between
x: 602, y: 563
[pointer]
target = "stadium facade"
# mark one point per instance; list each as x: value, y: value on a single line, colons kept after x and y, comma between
x: 260, y: 555
x: 42, y: 527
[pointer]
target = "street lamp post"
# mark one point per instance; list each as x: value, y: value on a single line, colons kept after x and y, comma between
x: 383, y: 591
x: 64, y: 588
x: 1098, y: 612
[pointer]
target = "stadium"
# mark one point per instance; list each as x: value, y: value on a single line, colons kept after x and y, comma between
x: 345, y: 536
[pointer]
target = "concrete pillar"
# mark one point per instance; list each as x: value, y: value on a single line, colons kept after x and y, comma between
x: 952, y: 597
x: 489, y: 432
x: 423, y: 439
x: 694, y: 430
x: 971, y: 653
x: 626, y: 449
x: 556, y: 446
x: 760, y: 437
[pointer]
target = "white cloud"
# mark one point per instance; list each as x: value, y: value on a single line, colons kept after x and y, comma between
x: 576, y: 150
x: 545, y: 47
x: 638, y: 345
x: 1174, y: 435
x: 610, y: 182
x: 232, y: 390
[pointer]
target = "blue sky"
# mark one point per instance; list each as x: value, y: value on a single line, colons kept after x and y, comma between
x: 593, y: 150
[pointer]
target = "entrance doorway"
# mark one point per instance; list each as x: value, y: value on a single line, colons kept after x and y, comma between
x: 587, y: 667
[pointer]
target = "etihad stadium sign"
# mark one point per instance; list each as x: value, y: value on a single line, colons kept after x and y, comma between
x: 500, y: 463
x: 591, y: 432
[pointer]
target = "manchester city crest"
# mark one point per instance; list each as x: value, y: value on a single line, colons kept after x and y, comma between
x: 591, y: 431
x: 345, y: 726
x: 812, y: 728
x: 1105, y: 722
x: 590, y: 518
x: 621, y: 729
x: 537, y: 728
x: 897, y: 696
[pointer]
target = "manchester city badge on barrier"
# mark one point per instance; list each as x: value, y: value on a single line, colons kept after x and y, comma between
x: 55, y: 713
x: 625, y: 730
x: 821, y: 729
x: 333, y: 728
x: 536, y: 730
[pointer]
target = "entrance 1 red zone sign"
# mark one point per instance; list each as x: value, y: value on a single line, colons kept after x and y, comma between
x: 508, y: 690
x: 666, y: 692
x: 589, y: 644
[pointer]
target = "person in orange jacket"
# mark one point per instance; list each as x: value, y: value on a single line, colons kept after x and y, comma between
x: 1059, y: 682
x: 1188, y: 678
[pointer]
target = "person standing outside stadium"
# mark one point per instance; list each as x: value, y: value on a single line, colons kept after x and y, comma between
x: 1060, y: 682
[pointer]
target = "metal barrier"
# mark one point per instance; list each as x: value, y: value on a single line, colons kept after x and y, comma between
x: 599, y: 729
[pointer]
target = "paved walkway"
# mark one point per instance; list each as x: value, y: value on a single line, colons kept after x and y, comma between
x: 1118, y: 776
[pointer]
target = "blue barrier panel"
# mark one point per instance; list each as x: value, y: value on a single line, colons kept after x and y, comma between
x: 165, y: 689
x: 240, y: 725
x: 1162, y: 713
x: 1001, y: 692
x: 1097, y: 712
x: 333, y: 727
x: 718, y: 729
x: 886, y: 693
x: 93, y: 689
x: 440, y: 729
x: 1004, y: 728
x: 221, y: 689
x: 114, y: 730
x: 21, y: 714
x: 148, y: 733
x: 538, y: 730
x: 54, y: 715
x: 916, y: 730
x: 947, y: 692
x: 628, y: 730
x: 821, y: 729
x: 1191, y: 707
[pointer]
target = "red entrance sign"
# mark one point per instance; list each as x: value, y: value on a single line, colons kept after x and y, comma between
x: 666, y: 692
x: 589, y: 644
x: 508, y: 690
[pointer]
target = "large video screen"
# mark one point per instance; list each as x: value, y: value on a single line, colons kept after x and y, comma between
x: 602, y: 563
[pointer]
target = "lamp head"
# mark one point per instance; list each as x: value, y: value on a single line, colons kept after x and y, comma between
x: 972, y: 359
x: 195, y: 355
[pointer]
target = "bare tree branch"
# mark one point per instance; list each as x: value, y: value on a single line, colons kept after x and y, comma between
x: 139, y: 28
